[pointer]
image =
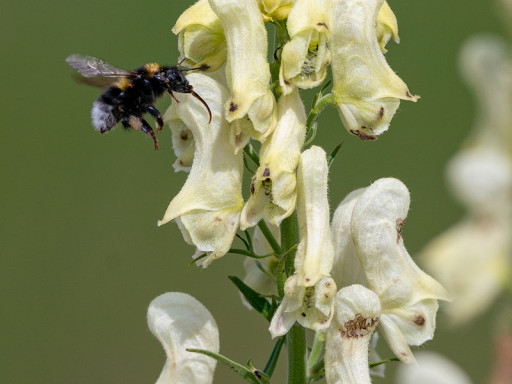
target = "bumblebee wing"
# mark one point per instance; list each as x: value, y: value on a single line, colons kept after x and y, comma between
x: 99, y: 82
x: 90, y: 67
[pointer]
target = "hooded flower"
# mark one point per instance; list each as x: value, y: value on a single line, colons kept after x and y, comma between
x: 273, y: 187
x: 201, y: 38
x: 180, y: 322
x: 208, y: 207
x: 356, y: 314
x: 305, y: 57
x: 247, y: 70
x: 309, y: 292
x: 366, y: 89
x: 275, y: 9
x: 408, y: 296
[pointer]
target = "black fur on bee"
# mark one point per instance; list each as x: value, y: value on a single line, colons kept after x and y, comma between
x: 131, y: 94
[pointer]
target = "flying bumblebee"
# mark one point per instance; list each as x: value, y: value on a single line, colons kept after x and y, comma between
x: 130, y: 94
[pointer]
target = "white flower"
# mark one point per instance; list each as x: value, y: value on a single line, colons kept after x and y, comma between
x: 273, y: 187
x: 356, y: 314
x: 310, y: 290
x: 180, y: 322
x: 408, y: 296
x: 275, y: 9
x: 247, y: 70
x: 366, y: 89
x: 208, y: 207
x: 305, y: 57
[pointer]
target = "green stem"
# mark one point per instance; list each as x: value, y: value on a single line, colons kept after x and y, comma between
x: 296, y: 337
x: 270, y: 238
x: 296, y: 344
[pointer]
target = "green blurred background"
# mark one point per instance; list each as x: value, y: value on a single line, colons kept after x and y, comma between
x: 81, y: 256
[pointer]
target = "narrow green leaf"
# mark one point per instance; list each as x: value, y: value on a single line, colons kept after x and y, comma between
x: 333, y: 154
x: 244, y: 372
x: 259, y: 303
x: 274, y: 357
x: 373, y: 365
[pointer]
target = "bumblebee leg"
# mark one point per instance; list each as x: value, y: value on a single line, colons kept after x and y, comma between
x: 174, y: 97
x: 157, y: 115
x: 126, y: 123
x: 146, y: 128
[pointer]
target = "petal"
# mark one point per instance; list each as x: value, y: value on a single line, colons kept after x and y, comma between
x: 247, y: 70
x: 356, y: 314
x: 315, y: 253
x: 273, y: 187
x: 179, y: 322
x: 366, y: 89
x: 311, y: 307
x: 182, y: 140
x: 346, y: 269
x: 201, y: 38
x: 387, y: 26
x: 210, y: 202
x: 305, y: 57
x: 405, y: 291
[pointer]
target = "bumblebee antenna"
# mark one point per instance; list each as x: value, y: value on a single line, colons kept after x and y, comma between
x: 201, y: 68
x: 204, y: 103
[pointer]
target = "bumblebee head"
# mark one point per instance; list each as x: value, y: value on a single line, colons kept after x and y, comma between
x: 176, y: 80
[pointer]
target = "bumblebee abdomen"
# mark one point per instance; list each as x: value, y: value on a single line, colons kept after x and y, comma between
x: 103, y: 117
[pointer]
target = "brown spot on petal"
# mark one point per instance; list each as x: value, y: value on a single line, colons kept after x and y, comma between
x: 266, y: 172
x: 419, y: 320
x: 358, y: 327
x: 408, y: 94
x: 363, y: 136
x: 233, y: 107
x: 184, y: 135
x: 252, y: 187
x: 303, y: 314
x: 323, y: 25
x: 218, y: 219
x: 380, y: 115
x: 399, y: 224
x: 287, y: 82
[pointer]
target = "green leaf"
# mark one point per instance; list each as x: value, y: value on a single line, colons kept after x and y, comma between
x: 333, y: 154
x: 259, y: 303
x: 373, y: 365
x: 246, y: 373
x: 274, y: 356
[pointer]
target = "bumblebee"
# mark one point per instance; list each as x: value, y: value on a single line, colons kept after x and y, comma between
x: 130, y: 94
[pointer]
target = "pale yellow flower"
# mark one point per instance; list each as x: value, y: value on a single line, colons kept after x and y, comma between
x: 201, y: 39
x: 273, y: 187
x: 366, y: 89
x: 247, y: 70
x: 305, y: 57
x: 207, y: 209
